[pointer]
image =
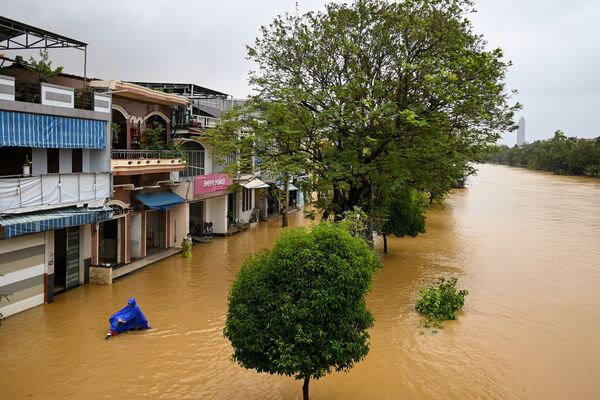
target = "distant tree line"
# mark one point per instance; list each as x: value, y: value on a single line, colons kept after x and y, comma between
x: 561, y: 155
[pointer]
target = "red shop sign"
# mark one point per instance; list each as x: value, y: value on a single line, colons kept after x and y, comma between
x: 211, y: 183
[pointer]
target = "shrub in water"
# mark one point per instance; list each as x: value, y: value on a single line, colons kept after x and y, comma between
x: 441, y: 302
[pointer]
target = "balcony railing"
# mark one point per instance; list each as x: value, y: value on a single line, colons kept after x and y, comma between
x: 18, y: 193
x: 31, y: 92
x: 144, y: 154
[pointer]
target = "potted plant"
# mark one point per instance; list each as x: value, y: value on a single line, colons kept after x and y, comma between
x: 27, y: 166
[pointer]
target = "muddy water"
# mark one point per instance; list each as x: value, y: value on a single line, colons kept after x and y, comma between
x: 525, y: 244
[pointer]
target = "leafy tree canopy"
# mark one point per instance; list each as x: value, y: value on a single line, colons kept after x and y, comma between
x: 42, y: 68
x: 393, y: 87
x: 299, y: 309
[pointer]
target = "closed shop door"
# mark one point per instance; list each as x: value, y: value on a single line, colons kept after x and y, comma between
x: 72, y: 257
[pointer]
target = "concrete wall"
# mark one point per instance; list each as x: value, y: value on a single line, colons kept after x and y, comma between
x: 85, y: 156
x: 22, y: 266
x: 244, y: 216
x: 216, y: 212
x: 65, y: 161
x: 39, y: 161
x: 179, y: 223
x: 135, y: 237
x: 99, y: 160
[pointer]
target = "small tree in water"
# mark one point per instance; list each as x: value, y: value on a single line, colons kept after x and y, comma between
x: 299, y: 309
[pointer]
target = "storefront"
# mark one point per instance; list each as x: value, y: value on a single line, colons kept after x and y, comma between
x: 209, y: 204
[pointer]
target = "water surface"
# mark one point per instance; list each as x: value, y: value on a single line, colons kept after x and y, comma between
x: 525, y: 244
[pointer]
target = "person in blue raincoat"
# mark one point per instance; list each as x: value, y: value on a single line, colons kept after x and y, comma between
x: 128, y: 318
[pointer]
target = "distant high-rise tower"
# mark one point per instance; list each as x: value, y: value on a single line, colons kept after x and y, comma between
x: 521, y: 132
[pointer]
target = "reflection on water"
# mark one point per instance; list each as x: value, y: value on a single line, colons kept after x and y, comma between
x: 525, y: 244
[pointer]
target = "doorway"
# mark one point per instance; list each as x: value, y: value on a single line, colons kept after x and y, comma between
x: 66, y: 258
x: 197, y: 219
x: 108, y: 251
x: 232, y: 214
x: 155, y: 230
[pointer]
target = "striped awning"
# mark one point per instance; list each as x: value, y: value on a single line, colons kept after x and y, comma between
x: 20, y: 129
x: 47, y: 220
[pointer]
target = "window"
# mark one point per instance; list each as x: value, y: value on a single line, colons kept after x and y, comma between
x: 53, y: 161
x: 77, y: 160
x: 246, y: 199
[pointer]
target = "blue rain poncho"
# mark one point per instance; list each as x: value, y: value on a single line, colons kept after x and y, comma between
x: 128, y: 318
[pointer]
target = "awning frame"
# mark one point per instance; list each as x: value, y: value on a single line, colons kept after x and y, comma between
x: 255, y: 184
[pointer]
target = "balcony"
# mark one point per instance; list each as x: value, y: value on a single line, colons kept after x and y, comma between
x: 137, y: 162
x: 31, y: 193
x: 50, y: 116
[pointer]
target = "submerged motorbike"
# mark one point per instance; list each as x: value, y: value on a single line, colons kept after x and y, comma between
x: 128, y: 318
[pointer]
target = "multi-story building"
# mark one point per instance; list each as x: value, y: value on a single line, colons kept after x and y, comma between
x: 54, y: 183
x: 214, y: 205
x: 152, y: 220
x: 55, y: 166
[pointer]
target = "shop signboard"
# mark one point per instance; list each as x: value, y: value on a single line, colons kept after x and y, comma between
x: 204, y: 184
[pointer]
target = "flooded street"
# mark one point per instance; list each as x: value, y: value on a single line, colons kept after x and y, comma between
x: 525, y: 244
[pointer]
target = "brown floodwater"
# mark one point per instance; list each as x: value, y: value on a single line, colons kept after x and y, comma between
x: 525, y: 244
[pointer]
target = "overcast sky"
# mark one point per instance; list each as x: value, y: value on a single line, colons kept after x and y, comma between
x: 553, y: 45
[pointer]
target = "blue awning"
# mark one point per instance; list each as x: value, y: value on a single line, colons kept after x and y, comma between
x: 47, y: 220
x: 20, y: 129
x: 160, y: 200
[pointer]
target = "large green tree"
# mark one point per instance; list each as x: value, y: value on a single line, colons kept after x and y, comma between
x: 268, y: 139
x: 299, y: 309
x: 403, y: 92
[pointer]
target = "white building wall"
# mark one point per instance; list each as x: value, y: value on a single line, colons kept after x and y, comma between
x: 244, y: 216
x: 179, y: 223
x: 135, y: 227
x: 65, y: 161
x: 85, y: 156
x: 216, y: 212
x: 39, y: 161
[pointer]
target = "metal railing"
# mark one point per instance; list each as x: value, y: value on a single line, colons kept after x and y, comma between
x: 19, y: 192
x: 145, y: 154
x: 195, y: 163
x: 31, y: 92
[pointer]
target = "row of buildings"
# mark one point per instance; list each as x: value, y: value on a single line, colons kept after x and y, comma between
x: 84, y: 196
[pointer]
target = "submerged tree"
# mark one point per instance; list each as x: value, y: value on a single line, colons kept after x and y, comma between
x: 299, y: 309
x: 405, y: 216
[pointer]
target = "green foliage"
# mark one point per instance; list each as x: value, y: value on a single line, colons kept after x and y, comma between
x: 561, y: 155
x: 406, y: 214
x: 441, y: 302
x: 299, y: 309
x: 43, y: 67
x: 186, y: 248
x: 374, y: 95
x: 265, y: 135
x: 152, y: 137
x: 355, y: 222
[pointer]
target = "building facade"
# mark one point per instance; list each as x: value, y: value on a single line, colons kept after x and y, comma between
x: 150, y: 220
x: 55, y: 180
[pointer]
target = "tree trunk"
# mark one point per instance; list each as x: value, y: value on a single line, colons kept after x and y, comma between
x: 305, y: 388
x: 286, y: 201
x: 384, y: 243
